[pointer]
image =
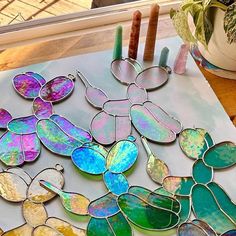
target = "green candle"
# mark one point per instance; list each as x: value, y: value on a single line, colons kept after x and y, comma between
x: 117, y: 52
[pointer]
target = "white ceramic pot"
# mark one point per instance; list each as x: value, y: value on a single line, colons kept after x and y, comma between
x: 220, y: 53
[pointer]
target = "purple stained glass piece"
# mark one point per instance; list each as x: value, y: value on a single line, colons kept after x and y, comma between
x: 136, y: 95
x: 5, y: 117
x: 123, y: 127
x: 117, y: 107
x: 57, y: 89
x: 27, y: 86
x: 37, y: 76
x: 42, y: 109
x: 96, y: 96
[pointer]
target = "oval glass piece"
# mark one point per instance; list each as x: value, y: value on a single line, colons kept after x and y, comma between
x: 89, y: 160
x: 5, y: 117
x: 152, y: 78
x: 23, y: 125
x: 75, y: 132
x: 190, y: 229
x: 146, y: 124
x: 122, y: 156
x: 43, y: 230
x: 221, y: 155
x: 96, y: 97
x: 116, y: 183
x: 27, y: 86
x: 12, y: 187
x: 207, y: 228
x: 144, y: 215
x: 136, y: 95
x: 37, y: 76
x: 55, y: 139
x: 57, y: 89
x: 42, y: 109
x: 20, y: 172
x: 104, y: 206
x: 124, y: 71
x: 24, y: 229
x: 117, y: 107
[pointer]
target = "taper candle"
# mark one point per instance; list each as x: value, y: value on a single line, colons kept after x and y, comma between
x: 117, y: 52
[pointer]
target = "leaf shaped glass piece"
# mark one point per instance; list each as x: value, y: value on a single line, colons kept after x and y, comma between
x: 38, y: 194
x: 34, y: 213
x: 124, y: 71
x: 122, y: 156
x: 146, y: 124
x: 104, y: 206
x: 202, y: 174
x: 206, y: 208
x: 89, y: 160
x: 207, y: 228
x: 23, y: 125
x: 43, y: 230
x: 21, y: 173
x: 37, y: 76
x: 117, y: 107
x: 190, y: 229
x: 70, y: 129
x: 12, y: 187
x: 123, y: 127
x: 229, y: 233
x: 224, y: 201
x: 5, y: 117
x: 116, y: 183
x: 57, y: 89
x: 145, y: 215
x: 64, y: 227
x: 221, y: 155
x: 180, y: 186
x: 42, y: 109
x: 27, y: 86
x: 24, y: 229
x: 55, y: 139
x: 136, y: 95
x: 103, y: 128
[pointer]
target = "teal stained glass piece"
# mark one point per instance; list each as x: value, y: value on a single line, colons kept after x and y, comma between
x: 206, y: 208
x: 230, y: 233
x: 99, y: 227
x: 55, y: 139
x: 89, y: 160
x: 180, y: 186
x: 104, y: 206
x: 122, y: 156
x: 224, y: 201
x: 145, y: 215
x: 96, y: 147
x: 116, y: 183
x: 207, y: 228
x: 23, y: 125
x: 190, y: 229
x: 202, y: 174
x: 221, y: 155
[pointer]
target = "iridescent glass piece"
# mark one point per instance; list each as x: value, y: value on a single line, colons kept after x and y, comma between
x: 42, y: 109
x: 136, y: 95
x: 190, y: 229
x: 117, y: 107
x: 37, y: 76
x: 5, y: 117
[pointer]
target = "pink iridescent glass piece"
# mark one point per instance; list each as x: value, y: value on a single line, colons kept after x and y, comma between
x: 123, y: 127
x: 5, y: 117
x: 117, y: 107
x: 181, y: 59
x: 37, y: 76
x: 42, y: 109
x: 136, y: 95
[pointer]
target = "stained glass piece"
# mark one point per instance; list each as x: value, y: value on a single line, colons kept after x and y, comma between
x: 136, y: 95
x: 57, y: 89
x: 64, y: 227
x: 208, y: 138
x: 104, y: 206
x: 230, y: 233
x: 75, y: 132
x: 122, y: 156
x: 99, y: 227
x: 103, y: 128
x: 206, y: 208
x: 152, y: 78
x: 123, y: 127
x: 27, y: 86
x: 11, y: 153
x: 24, y: 229
x: 221, y: 155
x: 224, y: 201
x: 124, y: 71
x: 34, y: 213
x: 23, y: 125
x: 43, y: 230
x: 73, y: 202
x: 163, y: 117
x: 55, y: 139
x: 135, y: 63
x: 193, y: 143
x: 96, y: 147
x: 37, y: 76
x: 12, y: 187
x: 202, y: 174
x: 37, y: 193
x: 89, y: 160
x: 145, y: 215
x: 5, y: 117
x: 146, y: 124
x: 190, y: 229
x: 96, y: 97
x: 21, y: 173
x: 116, y: 183
x: 180, y: 186
x: 117, y: 107
x: 42, y: 109
x: 207, y: 228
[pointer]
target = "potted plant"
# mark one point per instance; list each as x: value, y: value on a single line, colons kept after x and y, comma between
x: 215, y: 29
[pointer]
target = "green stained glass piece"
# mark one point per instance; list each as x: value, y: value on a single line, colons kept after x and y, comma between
x: 202, y: 174
x: 180, y: 186
x: 145, y: 215
x: 221, y: 155
x: 223, y: 200
x: 206, y: 208
x: 99, y: 227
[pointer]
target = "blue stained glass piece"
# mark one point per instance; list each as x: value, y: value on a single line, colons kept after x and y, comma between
x: 230, y: 233
x: 37, y: 76
x: 116, y: 183
x: 89, y: 160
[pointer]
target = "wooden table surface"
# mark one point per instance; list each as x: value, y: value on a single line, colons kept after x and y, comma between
x: 100, y: 39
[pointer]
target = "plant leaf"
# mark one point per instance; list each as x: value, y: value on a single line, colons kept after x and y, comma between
x: 230, y: 23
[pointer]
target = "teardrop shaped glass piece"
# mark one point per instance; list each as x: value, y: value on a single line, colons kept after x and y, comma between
x: 136, y: 95
x: 42, y: 109
x: 96, y: 97
x: 5, y: 117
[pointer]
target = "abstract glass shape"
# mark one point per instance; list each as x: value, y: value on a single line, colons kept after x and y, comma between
x: 42, y: 109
